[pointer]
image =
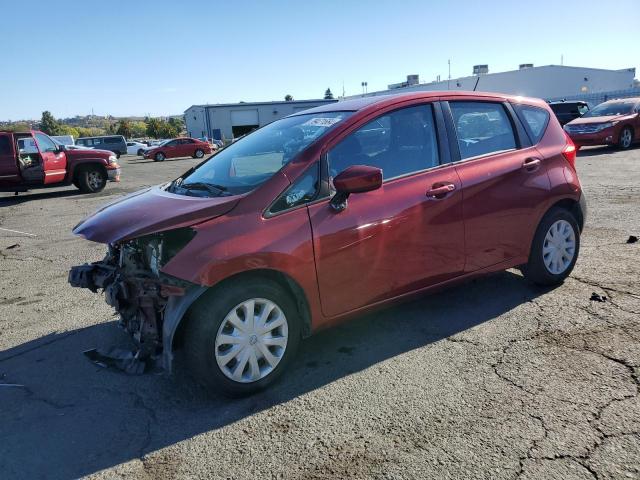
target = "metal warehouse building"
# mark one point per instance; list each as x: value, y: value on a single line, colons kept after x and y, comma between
x: 226, y: 121
x: 549, y: 82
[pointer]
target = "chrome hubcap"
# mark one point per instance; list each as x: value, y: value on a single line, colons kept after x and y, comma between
x: 559, y: 247
x: 199, y: 153
x: 251, y: 340
x: 626, y: 137
x: 94, y: 179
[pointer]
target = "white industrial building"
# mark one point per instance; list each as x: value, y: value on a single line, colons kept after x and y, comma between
x: 547, y: 82
x: 230, y: 120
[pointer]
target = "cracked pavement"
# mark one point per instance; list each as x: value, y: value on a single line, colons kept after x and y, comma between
x: 493, y: 379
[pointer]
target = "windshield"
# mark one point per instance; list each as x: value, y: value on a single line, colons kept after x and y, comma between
x: 611, y: 109
x: 247, y: 163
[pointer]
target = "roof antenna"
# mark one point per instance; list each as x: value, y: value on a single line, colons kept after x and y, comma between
x: 476, y: 85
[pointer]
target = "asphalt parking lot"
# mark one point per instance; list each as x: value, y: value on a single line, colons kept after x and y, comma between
x: 493, y: 379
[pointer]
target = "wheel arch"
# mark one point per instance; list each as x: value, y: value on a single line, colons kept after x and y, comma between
x: 573, y: 206
x: 81, y: 166
x: 177, y: 312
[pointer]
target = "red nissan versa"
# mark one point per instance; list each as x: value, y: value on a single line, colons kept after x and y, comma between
x: 616, y: 122
x: 178, y: 147
x: 329, y: 213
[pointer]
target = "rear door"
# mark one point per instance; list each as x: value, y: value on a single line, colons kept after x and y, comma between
x: 9, y: 172
x: 399, y: 238
x: 54, y: 161
x: 503, y: 181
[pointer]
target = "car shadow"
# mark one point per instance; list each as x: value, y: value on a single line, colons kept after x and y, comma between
x: 595, y: 151
x: 166, y: 160
x: 70, y: 418
x: 8, y: 199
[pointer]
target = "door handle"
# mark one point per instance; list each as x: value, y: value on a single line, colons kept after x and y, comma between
x: 440, y: 191
x: 531, y: 164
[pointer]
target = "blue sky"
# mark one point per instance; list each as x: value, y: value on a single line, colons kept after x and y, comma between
x: 159, y: 57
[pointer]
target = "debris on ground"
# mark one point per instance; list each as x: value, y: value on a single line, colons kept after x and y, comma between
x: 118, y: 358
x: 632, y: 239
x: 596, y: 297
x: 15, y: 245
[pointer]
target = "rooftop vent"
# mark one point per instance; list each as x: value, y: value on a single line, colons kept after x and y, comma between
x: 480, y: 69
x: 526, y: 65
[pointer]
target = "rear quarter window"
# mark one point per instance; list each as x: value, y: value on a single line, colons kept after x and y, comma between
x: 5, y: 145
x: 113, y: 140
x: 535, y: 119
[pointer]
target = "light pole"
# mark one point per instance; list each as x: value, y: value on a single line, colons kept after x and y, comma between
x: 364, y: 87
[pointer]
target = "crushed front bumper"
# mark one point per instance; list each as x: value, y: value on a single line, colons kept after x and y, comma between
x: 150, y: 308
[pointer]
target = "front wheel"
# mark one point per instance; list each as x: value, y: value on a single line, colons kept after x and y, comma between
x: 242, y: 337
x: 140, y: 152
x: 554, y: 249
x: 626, y: 138
x: 198, y: 153
x: 159, y: 157
x: 91, y: 180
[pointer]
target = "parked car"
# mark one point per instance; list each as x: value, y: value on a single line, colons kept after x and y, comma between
x: 31, y: 160
x: 178, y: 147
x: 616, y: 122
x: 566, y: 111
x: 315, y: 218
x: 136, y: 148
x: 114, y: 143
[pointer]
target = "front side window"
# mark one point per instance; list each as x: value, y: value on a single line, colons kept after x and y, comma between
x: 252, y: 160
x: 537, y: 120
x: 303, y: 190
x: 482, y: 128
x: 172, y: 143
x: 400, y: 143
x: 45, y: 143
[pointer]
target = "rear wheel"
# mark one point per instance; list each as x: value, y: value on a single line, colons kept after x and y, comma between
x: 198, y: 153
x: 626, y: 138
x: 242, y: 337
x: 554, y: 249
x: 159, y: 157
x: 91, y: 179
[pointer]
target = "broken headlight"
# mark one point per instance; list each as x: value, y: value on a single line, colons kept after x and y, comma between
x: 157, y: 249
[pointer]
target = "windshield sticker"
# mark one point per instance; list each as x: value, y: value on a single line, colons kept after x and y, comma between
x: 321, y: 121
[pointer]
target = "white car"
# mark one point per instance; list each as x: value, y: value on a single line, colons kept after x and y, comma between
x: 135, y: 148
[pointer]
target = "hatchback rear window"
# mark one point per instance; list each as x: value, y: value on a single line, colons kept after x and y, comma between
x: 482, y: 127
x: 536, y: 119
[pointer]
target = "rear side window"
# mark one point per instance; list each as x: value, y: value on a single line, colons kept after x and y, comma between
x: 482, y: 128
x: 536, y: 119
x: 5, y: 145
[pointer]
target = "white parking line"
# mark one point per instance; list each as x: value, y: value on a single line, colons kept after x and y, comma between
x: 17, y: 231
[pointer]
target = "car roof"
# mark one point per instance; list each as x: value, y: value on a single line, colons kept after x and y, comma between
x: 376, y: 101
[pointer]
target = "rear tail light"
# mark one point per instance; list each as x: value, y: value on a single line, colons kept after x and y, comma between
x: 569, y: 152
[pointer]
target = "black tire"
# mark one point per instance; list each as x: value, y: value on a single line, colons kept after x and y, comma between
x: 91, y: 179
x: 117, y: 155
x: 199, y: 153
x: 535, y: 270
x: 140, y: 152
x: 159, y: 157
x: 626, y: 138
x: 205, y: 320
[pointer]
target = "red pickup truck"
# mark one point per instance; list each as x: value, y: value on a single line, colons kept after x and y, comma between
x: 30, y: 160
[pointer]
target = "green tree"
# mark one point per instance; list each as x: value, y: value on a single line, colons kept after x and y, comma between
x: 123, y: 128
x: 328, y: 95
x: 288, y: 98
x: 138, y: 129
x: 153, y: 127
x: 177, y: 124
x: 48, y: 124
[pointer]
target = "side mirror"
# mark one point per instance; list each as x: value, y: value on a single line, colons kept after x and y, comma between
x: 355, y: 179
x: 62, y: 148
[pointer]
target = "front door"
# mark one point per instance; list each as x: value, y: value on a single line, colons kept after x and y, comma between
x: 8, y: 166
x: 54, y: 161
x: 503, y: 184
x: 403, y: 237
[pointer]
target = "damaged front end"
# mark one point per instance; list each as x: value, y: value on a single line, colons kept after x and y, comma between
x: 130, y: 277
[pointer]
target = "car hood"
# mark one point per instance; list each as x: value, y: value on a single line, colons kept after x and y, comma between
x: 87, y: 153
x: 587, y: 120
x: 150, y: 211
